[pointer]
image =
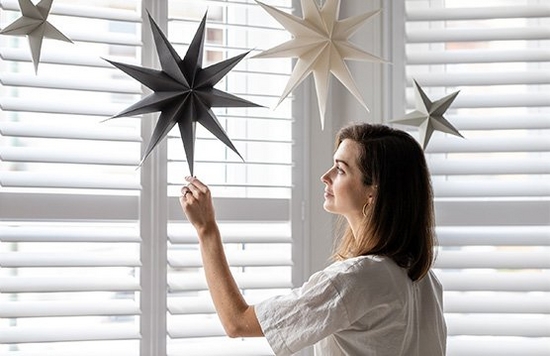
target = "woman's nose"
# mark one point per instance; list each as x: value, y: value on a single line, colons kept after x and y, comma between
x: 325, y: 177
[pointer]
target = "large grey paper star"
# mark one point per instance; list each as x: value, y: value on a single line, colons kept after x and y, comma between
x: 183, y: 92
x: 428, y: 116
x: 33, y: 24
x: 320, y: 42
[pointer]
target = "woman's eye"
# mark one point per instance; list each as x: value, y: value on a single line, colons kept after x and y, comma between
x: 339, y: 170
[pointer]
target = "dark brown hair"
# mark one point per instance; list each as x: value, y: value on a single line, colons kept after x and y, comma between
x: 399, y: 223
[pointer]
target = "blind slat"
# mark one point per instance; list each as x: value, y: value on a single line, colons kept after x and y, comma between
x: 497, y: 166
x: 193, y: 282
x: 501, y: 346
x: 477, y: 56
x: 52, y: 57
x: 199, y: 328
x: 59, y: 155
x: 114, y: 351
x: 236, y: 233
x: 238, y: 4
x: 493, y: 259
x: 478, y: 13
x: 190, y: 259
x: 108, y: 38
x: 505, y: 303
x: 529, y: 121
x: 224, y: 347
x: 528, y: 143
x: 97, y: 132
x: 231, y: 24
x: 72, y: 107
x: 96, y: 12
x: 67, y: 308
x: 190, y: 305
x: 68, y: 206
x: 533, y: 77
x: 480, y: 100
x: 478, y: 35
x: 53, y: 259
x: 508, y: 325
x: 530, y: 187
x: 20, y: 334
x: 67, y: 234
x: 45, y: 82
x: 494, y: 281
x: 72, y: 180
x: 493, y: 235
x: 198, y: 305
x: 67, y: 284
x: 484, y: 212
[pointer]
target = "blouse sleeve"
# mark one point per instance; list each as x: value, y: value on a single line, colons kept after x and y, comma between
x: 301, y: 318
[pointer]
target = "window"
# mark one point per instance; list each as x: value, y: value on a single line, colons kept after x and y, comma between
x: 69, y: 188
x: 252, y: 197
x: 492, y: 190
x: 96, y: 257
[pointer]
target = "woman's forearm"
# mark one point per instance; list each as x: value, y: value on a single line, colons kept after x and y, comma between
x: 237, y: 317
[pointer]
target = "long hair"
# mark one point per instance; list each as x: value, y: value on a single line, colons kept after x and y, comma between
x: 399, y: 222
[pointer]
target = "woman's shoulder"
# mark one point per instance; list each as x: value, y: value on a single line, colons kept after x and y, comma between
x: 368, y: 278
x: 366, y: 267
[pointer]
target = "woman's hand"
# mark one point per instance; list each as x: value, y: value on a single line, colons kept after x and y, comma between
x: 196, y: 203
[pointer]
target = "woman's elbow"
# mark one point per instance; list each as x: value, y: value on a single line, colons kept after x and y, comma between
x: 233, y: 331
x: 241, y: 330
x: 246, y: 325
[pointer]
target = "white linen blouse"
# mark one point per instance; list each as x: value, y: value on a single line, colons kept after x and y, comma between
x: 365, y: 305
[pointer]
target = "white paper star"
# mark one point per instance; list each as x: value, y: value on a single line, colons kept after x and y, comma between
x: 320, y: 42
x: 428, y: 116
x: 33, y: 24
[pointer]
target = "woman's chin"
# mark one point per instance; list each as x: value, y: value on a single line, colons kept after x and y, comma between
x: 328, y: 207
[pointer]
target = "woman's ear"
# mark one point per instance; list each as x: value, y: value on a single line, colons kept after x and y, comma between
x: 370, y: 194
x: 370, y: 200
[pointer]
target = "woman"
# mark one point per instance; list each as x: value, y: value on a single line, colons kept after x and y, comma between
x: 379, y: 297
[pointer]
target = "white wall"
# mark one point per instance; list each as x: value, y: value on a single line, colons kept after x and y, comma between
x: 315, y: 232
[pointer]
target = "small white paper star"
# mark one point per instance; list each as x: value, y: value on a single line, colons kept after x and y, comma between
x: 320, y: 42
x: 33, y: 24
x: 428, y: 116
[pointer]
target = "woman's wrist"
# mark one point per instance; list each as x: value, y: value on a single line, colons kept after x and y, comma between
x: 208, y: 232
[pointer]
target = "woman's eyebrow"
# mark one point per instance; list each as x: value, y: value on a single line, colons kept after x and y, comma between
x: 341, y: 161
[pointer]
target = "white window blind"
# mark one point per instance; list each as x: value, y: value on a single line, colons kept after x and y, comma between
x: 69, y: 238
x: 95, y: 256
x: 253, y: 197
x: 492, y: 188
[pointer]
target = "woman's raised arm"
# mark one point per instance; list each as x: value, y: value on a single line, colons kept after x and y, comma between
x: 237, y: 317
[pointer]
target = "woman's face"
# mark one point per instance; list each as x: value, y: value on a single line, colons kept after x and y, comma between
x: 345, y: 193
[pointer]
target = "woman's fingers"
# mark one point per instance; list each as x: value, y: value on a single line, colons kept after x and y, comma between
x: 185, y: 190
x: 196, y: 203
x: 194, y: 182
x: 195, y: 190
